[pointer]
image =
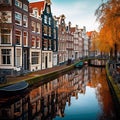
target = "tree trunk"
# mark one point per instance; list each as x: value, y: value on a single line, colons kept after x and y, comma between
x: 115, y: 52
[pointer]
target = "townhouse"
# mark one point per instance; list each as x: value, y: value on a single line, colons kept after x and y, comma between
x: 85, y: 42
x: 32, y: 39
x: 77, y: 38
x: 14, y: 45
x: 62, y: 53
x: 49, y: 34
x: 35, y: 45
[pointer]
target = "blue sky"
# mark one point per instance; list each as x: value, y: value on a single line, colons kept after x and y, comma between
x: 80, y: 12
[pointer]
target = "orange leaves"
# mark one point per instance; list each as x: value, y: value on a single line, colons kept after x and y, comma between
x: 109, y: 16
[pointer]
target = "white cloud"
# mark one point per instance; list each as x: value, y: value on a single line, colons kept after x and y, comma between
x: 79, y: 13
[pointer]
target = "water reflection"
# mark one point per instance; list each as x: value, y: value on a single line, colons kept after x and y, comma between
x: 78, y: 94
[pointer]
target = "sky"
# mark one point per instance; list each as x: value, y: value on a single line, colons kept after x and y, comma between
x: 78, y: 12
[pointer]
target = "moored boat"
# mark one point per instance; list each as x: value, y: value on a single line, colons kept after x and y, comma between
x: 79, y: 65
x: 15, y: 87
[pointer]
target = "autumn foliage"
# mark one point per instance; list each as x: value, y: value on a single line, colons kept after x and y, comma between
x: 108, y: 14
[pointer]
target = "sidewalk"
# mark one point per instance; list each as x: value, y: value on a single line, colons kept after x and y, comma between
x: 14, y: 79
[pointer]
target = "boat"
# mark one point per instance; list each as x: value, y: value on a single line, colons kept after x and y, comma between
x: 15, y: 87
x: 79, y: 65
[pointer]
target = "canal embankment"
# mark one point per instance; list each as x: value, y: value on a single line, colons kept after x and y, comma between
x: 114, y: 88
x: 37, y: 76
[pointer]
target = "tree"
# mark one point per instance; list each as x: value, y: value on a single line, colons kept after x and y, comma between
x: 108, y: 14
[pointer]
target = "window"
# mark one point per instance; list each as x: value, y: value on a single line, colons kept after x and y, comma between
x: 6, y: 56
x: 45, y: 44
x: 38, y: 42
x: 18, y: 57
x: 45, y: 19
x: 48, y: 10
x: 55, y: 48
x: 6, y: 36
x: 25, y: 7
x: 54, y: 33
x: 18, y: 3
x: 49, y: 21
x: 25, y: 21
x: 25, y: 38
x: 38, y: 28
x: 49, y: 31
x: 33, y: 26
x: 50, y: 45
x: 45, y: 30
x: 50, y: 57
x: 18, y: 18
x: 18, y: 36
x: 35, y: 12
x: 35, y: 57
x: 33, y: 41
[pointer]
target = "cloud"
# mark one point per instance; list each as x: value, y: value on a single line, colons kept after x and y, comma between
x: 80, y: 12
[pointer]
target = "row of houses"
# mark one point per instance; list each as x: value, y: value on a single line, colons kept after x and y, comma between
x: 32, y: 39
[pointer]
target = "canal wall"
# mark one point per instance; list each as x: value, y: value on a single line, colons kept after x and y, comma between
x: 114, y: 88
x: 48, y: 76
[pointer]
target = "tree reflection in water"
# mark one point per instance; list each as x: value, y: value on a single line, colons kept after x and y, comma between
x: 53, y: 99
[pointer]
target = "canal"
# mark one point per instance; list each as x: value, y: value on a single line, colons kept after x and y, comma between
x: 80, y: 94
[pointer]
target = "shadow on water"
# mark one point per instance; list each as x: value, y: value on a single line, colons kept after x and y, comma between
x: 78, y: 94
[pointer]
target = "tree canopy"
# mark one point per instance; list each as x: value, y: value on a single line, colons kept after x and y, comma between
x: 108, y: 14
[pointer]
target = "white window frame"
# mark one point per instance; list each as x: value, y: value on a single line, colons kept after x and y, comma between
x: 26, y: 38
x: 25, y: 7
x: 18, y: 17
x: 18, y: 3
x: 18, y: 36
x: 25, y: 20
x: 7, y: 34
x: 6, y: 55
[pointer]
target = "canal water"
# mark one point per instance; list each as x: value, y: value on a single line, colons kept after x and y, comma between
x: 80, y: 94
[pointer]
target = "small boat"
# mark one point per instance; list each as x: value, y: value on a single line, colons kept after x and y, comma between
x: 15, y: 87
x: 79, y: 65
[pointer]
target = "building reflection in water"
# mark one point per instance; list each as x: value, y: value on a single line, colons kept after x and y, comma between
x: 49, y: 100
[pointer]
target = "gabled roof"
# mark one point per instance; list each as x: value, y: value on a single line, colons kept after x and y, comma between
x: 39, y: 5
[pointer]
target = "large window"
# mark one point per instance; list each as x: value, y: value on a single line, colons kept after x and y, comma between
x: 18, y: 37
x: 18, y: 18
x: 6, y: 36
x: 25, y: 21
x: 6, y: 56
x: 35, y: 57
